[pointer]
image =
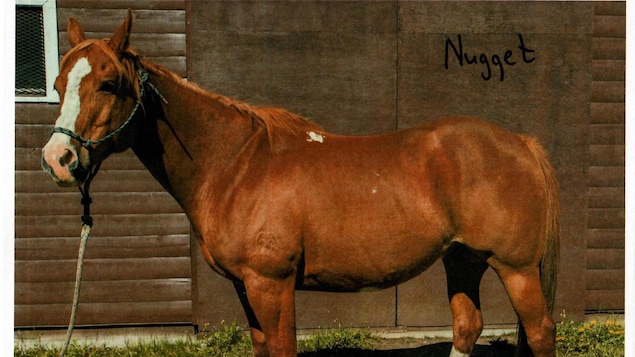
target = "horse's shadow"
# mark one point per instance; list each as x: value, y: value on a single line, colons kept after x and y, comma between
x: 433, y: 350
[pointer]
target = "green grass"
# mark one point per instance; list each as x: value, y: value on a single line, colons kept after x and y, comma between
x: 574, y: 339
x: 334, y: 339
x: 227, y: 340
x: 592, y: 339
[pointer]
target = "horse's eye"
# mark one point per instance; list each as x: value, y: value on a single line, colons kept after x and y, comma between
x: 108, y: 87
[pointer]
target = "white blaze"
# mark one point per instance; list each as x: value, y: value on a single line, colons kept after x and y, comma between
x: 70, y: 108
x: 314, y: 137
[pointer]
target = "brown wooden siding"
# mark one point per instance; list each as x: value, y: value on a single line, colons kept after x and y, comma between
x: 138, y: 267
x: 605, y: 243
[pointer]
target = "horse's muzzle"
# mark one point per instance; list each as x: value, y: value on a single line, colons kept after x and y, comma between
x: 62, y: 163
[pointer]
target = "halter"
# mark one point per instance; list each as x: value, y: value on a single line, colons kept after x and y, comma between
x: 89, y: 144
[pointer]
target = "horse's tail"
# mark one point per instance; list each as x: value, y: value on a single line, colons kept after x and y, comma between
x: 549, y: 261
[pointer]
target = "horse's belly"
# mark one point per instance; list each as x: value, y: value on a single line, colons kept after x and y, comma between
x: 368, y: 264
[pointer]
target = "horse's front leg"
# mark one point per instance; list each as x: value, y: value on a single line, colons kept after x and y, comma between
x: 258, y: 340
x: 271, y: 304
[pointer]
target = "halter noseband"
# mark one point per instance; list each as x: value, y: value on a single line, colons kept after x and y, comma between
x: 89, y: 144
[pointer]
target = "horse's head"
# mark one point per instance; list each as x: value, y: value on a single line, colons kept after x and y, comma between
x: 100, y: 92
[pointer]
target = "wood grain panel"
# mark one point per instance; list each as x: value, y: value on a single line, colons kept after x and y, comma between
x: 607, y: 113
x: 612, y: 8
x: 605, y: 300
x: 606, y: 176
x: 608, y: 70
x: 123, y: 4
x: 605, y: 258
x: 606, y: 238
x: 32, y: 113
x: 607, y: 155
x: 560, y: 18
x: 137, y: 268
x: 149, y: 44
x: 29, y: 159
x: 322, y: 309
x: 177, y: 245
x: 104, y: 313
x: 40, y: 271
x: 606, y: 197
x: 369, y: 18
x: 176, y: 64
x: 105, y: 181
x: 605, y: 279
x: 609, y: 48
x: 606, y: 218
x: 104, y: 291
x: 609, y: 26
x: 606, y: 134
x: 104, y: 225
x: 308, y: 57
x: 608, y: 91
x: 31, y: 135
x: 68, y: 203
x: 107, y: 20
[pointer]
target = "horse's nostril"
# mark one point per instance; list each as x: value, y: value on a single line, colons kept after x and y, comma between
x: 66, y: 158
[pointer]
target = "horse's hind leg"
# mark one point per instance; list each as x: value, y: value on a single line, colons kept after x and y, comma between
x: 464, y: 271
x: 523, y: 288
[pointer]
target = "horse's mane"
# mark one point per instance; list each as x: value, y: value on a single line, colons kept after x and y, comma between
x: 278, y: 122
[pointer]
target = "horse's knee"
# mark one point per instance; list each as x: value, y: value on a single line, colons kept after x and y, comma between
x: 466, y: 331
x: 467, y: 323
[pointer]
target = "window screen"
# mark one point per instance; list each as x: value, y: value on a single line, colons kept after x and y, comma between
x: 30, y: 61
x: 36, y: 52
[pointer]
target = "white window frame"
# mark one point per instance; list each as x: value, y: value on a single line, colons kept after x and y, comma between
x: 51, y: 50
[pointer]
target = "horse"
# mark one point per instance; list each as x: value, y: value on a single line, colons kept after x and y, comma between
x: 279, y: 204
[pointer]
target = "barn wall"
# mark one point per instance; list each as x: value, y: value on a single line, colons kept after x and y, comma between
x: 137, y: 268
x: 355, y: 68
x: 543, y: 94
x: 333, y: 62
x: 369, y: 67
x: 605, y: 240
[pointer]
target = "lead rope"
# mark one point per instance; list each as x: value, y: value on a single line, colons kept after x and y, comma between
x: 87, y: 223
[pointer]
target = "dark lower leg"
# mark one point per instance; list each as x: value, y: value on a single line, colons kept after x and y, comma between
x: 464, y: 270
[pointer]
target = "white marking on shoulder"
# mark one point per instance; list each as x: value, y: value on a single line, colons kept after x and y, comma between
x: 314, y: 137
x: 71, y: 107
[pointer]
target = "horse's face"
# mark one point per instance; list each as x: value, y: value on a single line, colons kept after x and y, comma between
x: 96, y: 97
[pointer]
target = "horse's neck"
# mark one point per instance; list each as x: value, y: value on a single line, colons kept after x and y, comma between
x: 189, y: 140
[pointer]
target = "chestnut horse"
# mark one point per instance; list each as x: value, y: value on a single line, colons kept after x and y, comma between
x: 278, y: 204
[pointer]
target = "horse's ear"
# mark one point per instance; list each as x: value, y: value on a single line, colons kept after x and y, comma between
x: 75, y: 32
x: 120, y: 39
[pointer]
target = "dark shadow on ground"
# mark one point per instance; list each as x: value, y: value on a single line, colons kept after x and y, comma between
x: 432, y: 350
